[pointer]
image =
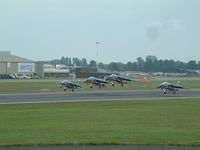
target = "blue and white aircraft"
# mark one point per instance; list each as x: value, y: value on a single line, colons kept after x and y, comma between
x: 166, y: 86
x: 119, y: 79
x: 67, y: 84
x: 97, y: 82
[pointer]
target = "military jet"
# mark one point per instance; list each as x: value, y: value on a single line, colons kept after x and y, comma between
x: 95, y: 81
x: 67, y: 84
x: 166, y: 86
x: 118, y: 79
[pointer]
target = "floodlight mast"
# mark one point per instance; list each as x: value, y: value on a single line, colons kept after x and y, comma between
x: 97, y: 62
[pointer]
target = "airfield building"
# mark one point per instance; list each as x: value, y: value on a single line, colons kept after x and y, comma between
x: 58, y: 71
x: 11, y: 64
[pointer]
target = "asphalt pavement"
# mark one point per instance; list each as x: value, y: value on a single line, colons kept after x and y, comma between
x: 96, y: 96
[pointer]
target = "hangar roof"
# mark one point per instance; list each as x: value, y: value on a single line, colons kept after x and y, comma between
x: 6, y: 56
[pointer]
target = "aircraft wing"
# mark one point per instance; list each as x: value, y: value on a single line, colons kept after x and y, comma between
x: 126, y: 79
x: 75, y: 85
x: 101, y: 81
x: 177, y: 87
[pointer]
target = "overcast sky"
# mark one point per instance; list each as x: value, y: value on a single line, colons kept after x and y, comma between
x: 126, y: 29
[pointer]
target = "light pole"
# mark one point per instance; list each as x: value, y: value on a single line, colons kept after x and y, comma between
x: 97, y: 44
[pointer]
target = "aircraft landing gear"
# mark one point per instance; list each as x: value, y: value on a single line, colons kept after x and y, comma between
x: 122, y: 85
x: 90, y: 86
x: 113, y: 84
x: 64, y: 89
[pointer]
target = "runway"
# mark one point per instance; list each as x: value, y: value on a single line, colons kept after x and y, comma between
x: 96, y: 96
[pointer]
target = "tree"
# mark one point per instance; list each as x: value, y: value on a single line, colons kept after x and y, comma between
x: 62, y: 61
x: 93, y: 63
x: 84, y: 62
x: 192, y: 64
x: 140, y: 64
x: 150, y: 64
x: 101, y: 65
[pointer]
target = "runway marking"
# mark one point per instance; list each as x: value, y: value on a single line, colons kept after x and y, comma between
x: 99, y: 100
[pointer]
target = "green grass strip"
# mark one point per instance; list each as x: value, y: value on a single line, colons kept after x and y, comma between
x: 149, y: 122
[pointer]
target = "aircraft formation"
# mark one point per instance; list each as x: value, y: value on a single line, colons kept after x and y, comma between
x: 92, y: 81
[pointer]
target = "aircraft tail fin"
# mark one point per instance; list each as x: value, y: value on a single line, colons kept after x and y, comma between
x: 78, y: 82
x: 178, y: 83
x: 105, y: 78
x: 127, y: 75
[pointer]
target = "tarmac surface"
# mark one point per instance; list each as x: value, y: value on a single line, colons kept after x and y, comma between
x: 96, y: 96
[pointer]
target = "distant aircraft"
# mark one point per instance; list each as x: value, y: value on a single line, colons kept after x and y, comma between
x: 95, y: 81
x: 119, y: 79
x: 166, y: 86
x: 68, y: 84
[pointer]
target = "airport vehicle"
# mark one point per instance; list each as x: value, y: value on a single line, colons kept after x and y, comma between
x: 166, y: 86
x: 23, y: 76
x: 97, y: 82
x: 119, y: 79
x: 7, y: 76
x: 68, y: 84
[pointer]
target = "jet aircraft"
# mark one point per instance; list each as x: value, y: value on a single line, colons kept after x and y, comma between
x: 95, y: 81
x: 68, y: 84
x: 166, y: 86
x: 119, y: 79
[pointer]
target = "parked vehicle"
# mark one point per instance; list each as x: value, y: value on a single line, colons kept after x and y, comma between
x: 23, y: 76
x: 7, y: 76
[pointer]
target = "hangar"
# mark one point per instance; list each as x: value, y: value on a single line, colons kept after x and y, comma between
x: 11, y: 64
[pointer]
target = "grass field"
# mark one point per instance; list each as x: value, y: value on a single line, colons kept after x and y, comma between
x: 156, y: 122
x: 36, y: 87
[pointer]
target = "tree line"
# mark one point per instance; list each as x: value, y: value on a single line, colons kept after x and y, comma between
x: 149, y: 64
